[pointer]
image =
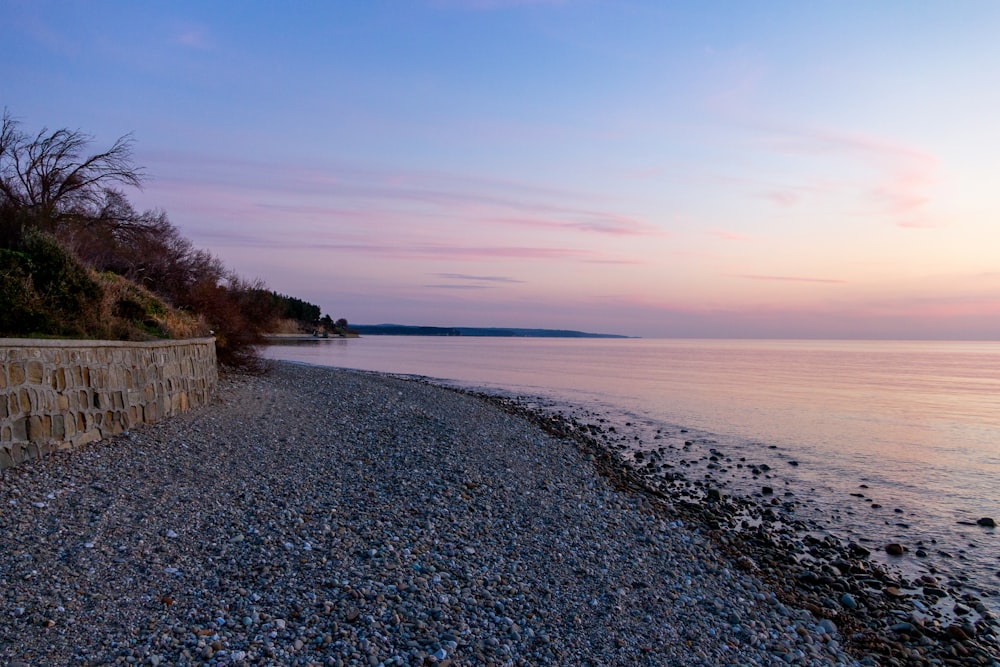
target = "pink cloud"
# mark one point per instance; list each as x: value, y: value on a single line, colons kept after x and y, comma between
x: 906, y: 175
x: 603, y: 223
x: 396, y: 251
x: 730, y: 236
x: 783, y: 198
x: 796, y: 279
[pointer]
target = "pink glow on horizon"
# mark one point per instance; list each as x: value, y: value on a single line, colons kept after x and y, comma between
x: 794, y: 279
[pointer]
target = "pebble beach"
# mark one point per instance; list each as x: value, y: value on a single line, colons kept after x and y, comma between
x: 314, y: 516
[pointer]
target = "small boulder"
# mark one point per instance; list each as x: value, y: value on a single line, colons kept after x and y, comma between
x: 894, y: 549
x: 988, y: 522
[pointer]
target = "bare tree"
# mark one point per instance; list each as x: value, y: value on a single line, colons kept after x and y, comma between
x: 51, y: 177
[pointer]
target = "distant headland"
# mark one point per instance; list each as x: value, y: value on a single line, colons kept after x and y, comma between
x: 500, y: 332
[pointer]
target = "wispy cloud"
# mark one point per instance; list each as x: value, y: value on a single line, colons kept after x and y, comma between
x: 794, y: 279
x: 460, y: 287
x: 729, y: 236
x: 394, y: 251
x: 905, y: 175
x: 783, y: 198
x: 587, y: 221
x: 426, y: 215
x: 484, y: 279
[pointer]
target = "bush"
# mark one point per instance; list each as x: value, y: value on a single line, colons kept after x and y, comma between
x: 22, y: 308
x: 46, y: 290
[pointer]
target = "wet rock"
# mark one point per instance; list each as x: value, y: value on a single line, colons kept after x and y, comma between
x: 858, y: 551
x: 987, y: 522
x: 895, y: 549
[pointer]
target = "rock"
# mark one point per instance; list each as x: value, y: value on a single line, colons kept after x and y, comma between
x: 894, y: 549
x: 767, y: 490
x: 858, y: 551
x: 956, y: 632
x: 988, y: 522
x: 848, y: 601
x: 827, y: 626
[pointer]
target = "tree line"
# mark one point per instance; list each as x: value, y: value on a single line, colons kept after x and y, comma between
x: 73, y: 250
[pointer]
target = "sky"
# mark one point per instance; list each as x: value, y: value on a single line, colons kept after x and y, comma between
x: 651, y: 168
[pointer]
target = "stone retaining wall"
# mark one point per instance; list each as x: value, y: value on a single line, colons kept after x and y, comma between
x: 56, y: 394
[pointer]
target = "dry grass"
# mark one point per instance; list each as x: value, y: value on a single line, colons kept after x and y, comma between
x: 287, y: 327
x: 130, y: 312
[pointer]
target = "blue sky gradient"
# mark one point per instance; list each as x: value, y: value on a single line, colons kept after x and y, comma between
x: 653, y: 168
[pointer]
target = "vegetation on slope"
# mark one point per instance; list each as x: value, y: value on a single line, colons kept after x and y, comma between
x: 77, y: 260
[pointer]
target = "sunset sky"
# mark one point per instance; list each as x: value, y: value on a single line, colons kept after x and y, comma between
x: 652, y: 168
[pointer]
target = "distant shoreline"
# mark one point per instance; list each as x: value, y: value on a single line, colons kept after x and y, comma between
x: 480, y: 332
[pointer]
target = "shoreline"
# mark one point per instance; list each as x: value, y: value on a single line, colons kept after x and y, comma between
x: 325, y: 516
x: 887, y: 614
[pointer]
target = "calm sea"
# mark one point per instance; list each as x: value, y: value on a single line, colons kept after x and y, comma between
x: 895, y: 441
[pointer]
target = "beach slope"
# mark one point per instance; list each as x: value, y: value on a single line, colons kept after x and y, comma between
x: 322, y: 517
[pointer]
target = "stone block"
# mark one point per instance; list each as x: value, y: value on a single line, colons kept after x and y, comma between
x: 5, y: 433
x: 24, y: 400
x: 7, y: 456
x: 58, y: 427
x: 3, y: 377
x: 59, y: 379
x: 15, y: 372
x: 19, y: 429
x: 62, y: 402
x: 39, y: 427
x: 35, y: 372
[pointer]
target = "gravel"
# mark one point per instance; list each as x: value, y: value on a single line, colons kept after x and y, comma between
x: 314, y: 516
